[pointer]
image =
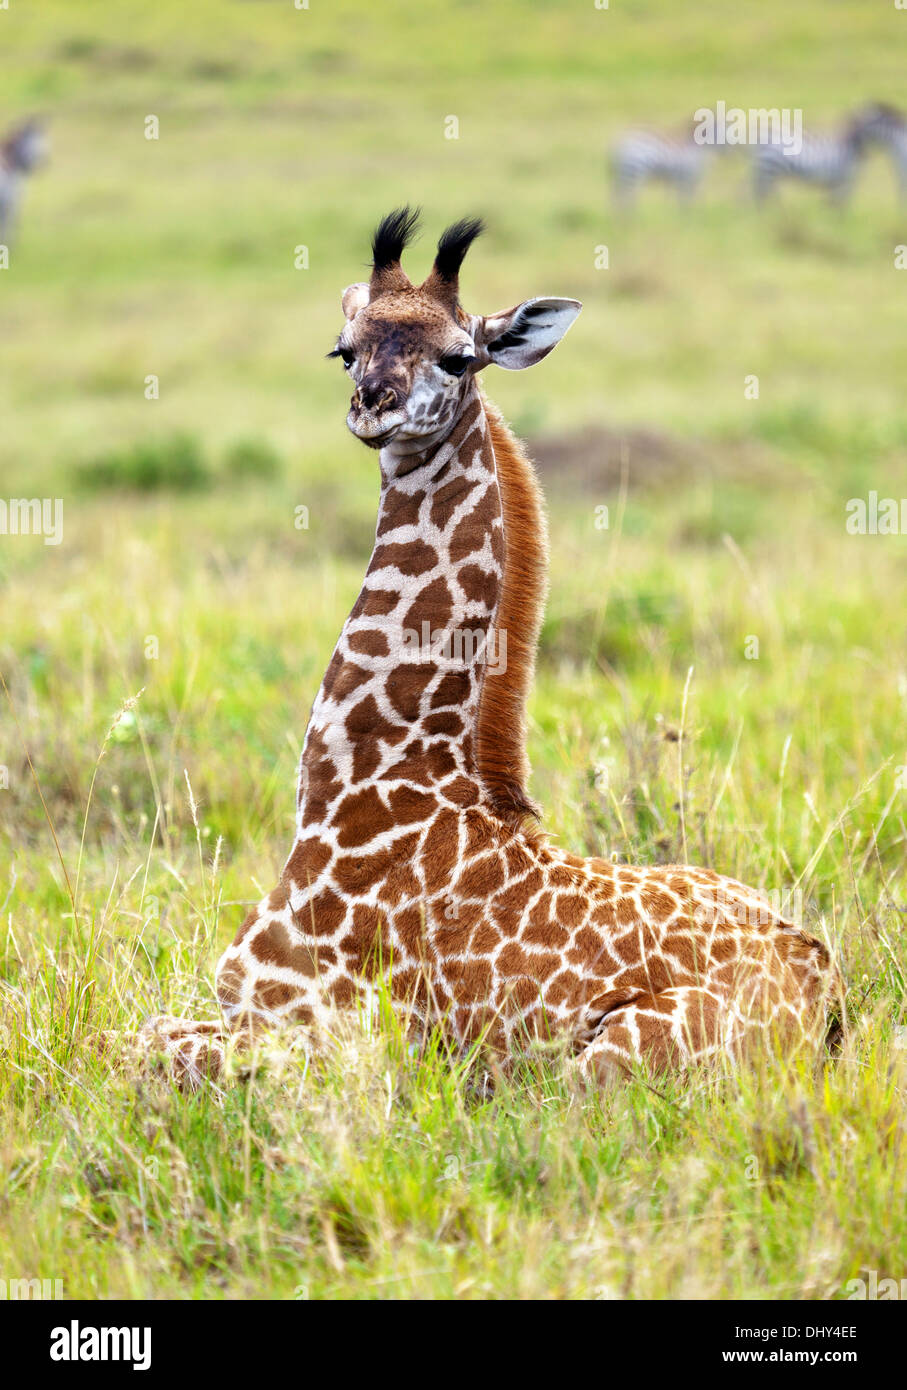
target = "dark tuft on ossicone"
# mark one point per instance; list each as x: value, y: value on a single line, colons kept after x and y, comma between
x: 454, y: 244
x: 392, y: 235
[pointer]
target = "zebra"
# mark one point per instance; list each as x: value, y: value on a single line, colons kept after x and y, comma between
x: 886, y: 126
x: 21, y: 152
x: 829, y: 160
x: 640, y: 156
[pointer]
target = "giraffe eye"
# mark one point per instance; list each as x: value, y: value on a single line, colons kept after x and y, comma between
x: 346, y: 357
x: 455, y: 366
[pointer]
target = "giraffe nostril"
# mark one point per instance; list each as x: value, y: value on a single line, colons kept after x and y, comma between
x: 375, y: 395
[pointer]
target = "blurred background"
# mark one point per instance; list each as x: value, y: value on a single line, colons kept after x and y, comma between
x: 203, y: 268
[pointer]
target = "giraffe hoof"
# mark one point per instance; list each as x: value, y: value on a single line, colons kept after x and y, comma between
x: 190, y: 1053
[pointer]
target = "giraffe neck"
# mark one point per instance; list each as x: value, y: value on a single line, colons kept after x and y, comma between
x: 398, y: 708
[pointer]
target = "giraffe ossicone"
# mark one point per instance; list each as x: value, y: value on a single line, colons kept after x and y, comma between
x: 417, y: 855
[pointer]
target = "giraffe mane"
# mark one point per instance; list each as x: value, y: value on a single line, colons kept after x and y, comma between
x: 501, y: 726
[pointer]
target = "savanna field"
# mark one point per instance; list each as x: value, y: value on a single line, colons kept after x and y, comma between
x: 723, y: 668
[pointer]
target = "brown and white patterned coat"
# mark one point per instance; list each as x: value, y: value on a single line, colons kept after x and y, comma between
x: 417, y: 857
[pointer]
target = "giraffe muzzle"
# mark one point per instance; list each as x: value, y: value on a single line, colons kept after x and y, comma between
x: 375, y: 415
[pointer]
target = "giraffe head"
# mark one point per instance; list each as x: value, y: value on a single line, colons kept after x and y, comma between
x: 412, y: 350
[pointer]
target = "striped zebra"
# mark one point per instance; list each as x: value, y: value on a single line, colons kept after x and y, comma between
x: 828, y: 160
x: 647, y: 156
x: 20, y: 153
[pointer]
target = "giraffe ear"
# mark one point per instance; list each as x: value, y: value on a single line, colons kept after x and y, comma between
x: 355, y: 297
x: 521, y: 336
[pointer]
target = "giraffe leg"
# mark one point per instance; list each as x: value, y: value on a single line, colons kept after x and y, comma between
x: 191, y: 1052
x: 663, y: 1031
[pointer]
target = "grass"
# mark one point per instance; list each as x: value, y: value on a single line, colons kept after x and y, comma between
x: 213, y: 610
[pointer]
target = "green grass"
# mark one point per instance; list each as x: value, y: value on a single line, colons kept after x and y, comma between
x: 182, y: 575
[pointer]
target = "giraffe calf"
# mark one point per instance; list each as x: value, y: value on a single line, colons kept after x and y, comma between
x: 418, y: 860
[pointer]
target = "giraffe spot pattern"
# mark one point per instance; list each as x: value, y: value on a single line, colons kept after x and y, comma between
x: 401, y: 865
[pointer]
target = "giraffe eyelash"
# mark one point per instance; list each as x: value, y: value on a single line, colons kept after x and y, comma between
x: 344, y: 353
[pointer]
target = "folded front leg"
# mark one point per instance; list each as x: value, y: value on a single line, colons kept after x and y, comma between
x: 191, y: 1052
